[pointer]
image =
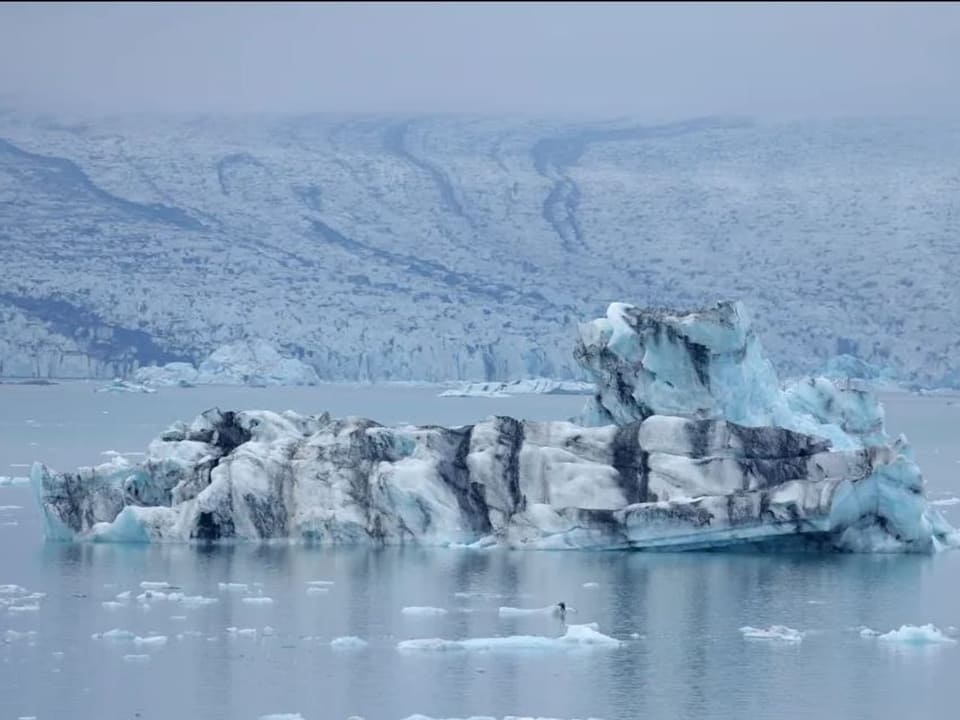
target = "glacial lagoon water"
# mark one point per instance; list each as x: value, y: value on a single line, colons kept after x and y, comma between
x: 678, y: 615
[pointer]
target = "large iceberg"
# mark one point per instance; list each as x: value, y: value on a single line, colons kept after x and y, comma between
x: 689, y: 443
x: 245, y: 362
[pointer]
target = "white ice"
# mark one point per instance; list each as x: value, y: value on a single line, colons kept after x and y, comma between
x: 258, y: 600
x: 349, y: 642
x: 946, y: 502
x: 917, y: 635
x: 317, y: 590
x: 233, y: 587
x: 154, y: 585
x: 576, y: 637
x: 424, y: 611
x: 242, y: 632
x: 282, y: 716
x: 551, y: 610
x: 151, y: 640
x: 774, y: 632
x: 136, y: 658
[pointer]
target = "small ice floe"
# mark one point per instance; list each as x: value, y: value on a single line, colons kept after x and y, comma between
x: 233, y: 587
x: 257, y: 600
x: 14, y: 480
x: 19, y: 609
x: 154, y: 585
x: 11, y: 636
x: 549, y: 610
x: 10, y: 508
x: 151, y: 596
x: 136, y: 658
x: 268, y: 631
x: 774, y: 632
x: 576, y: 637
x: 946, y: 502
x: 423, y: 611
x: 866, y: 632
x: 916, y: 635
x: 113, y: 605
x: 635, y: 636
x: 191, y: 601
x: 282, y: 716
x: 242, y: 632
x: 10, y: 523
x: 12, y: 590
x: 151, y: 640
x: 124, y: 596
x: 320, y: 583
x: 178, y: 618
x: 348, y: 643
x: 591, y: 584
x: 115, y: 634
x: 476, y: 594
x: 317, y: 590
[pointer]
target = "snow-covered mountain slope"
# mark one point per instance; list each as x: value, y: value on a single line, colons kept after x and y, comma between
x: 811, y: 466
x: 463, y: 248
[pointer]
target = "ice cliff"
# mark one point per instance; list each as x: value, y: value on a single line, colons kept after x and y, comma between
x: 688, y: 443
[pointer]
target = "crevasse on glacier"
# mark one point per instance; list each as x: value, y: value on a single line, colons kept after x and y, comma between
x: 689, y: 442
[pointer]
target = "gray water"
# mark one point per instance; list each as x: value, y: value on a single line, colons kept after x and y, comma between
x: 689, y: 661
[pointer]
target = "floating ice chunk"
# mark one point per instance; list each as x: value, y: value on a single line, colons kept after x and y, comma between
x: 10, y: 508
x: 917, y: 635
x: 12, y: 590
x: 124, y: 596
x: 14, y: 636
x: 178, y: 618
x: 550, y: 610
x: 151, y: 640
x: 16, y: 480
x: 577, y: 636
x: 591, y: 585
x: 154, y: 585
x: 233, y: 587
x: 151, y: 596
x: 866, y: 632
x: 259, y: 600
x: 17, y: 609
x: 282, y: 716
x: 136, y: 658
x: 119, y: 385
x: 774, y: 632
x: 192, y: 601
x: 27, y: 717
x: 635, y: 636
x: 320, y: 583
x: 242, y: 632
x: 316, y: 590
x: 477, y: 594
x: 424, y: 611
x: 268, y: 631
x: 115, y: 634
x: 348, y: 643
x: 946, y: 502
x: 113, y: 604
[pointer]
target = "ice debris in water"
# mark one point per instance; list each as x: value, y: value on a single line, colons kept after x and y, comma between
x: 242, y: 632
x: 774, y: 632
x: 317, y: 590
x: 418, y: 716
x: 233, y: 587
x: 113, y: 604
x: 320, y: 583
x: 136, y: 658
x: 15, y: 480
x: 151, y: 640
x: 424, y: 611
x: 115, y: 634
x: 350, y: 642
x: 14, y: 636
x: 154, y: 585
x: 576, y: 636
x: 553, y: 610
x: 946, y: 502
x: 282, y: 716
x: 124, y: 596
x: 591, y: 585
x: 259, y: 600
x: 915, y: 635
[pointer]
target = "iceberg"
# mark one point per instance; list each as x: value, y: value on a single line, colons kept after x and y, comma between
x: 689, y: 442
x: 119, y: 385
x: 576, y: 637
x: 533, y: 386
x: 245, y: 362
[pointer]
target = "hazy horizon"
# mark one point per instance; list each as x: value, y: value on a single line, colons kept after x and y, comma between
x: 527, y: 59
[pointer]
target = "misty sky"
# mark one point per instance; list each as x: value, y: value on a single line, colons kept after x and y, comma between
x: 537, y: 58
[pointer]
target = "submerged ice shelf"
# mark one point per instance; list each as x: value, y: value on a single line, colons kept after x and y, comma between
x: 689, y: 442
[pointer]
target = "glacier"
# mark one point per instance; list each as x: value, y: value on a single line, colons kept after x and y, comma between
x: 689, y: 442
x: 386, y: 247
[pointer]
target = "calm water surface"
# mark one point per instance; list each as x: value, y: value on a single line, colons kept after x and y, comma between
x: 689, y: 661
